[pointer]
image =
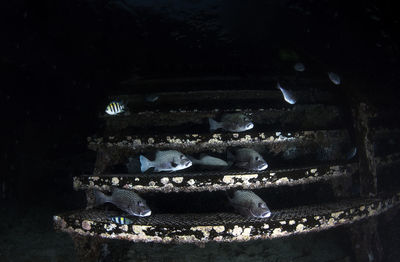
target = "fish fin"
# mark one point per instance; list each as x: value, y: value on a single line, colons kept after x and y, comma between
x: 230, y: 163
x: 214, y: 125
x: 145, y: 164
x: 194, y: 160
x: 278, y: 86
x: 100, y: 198
x: 229, y: 194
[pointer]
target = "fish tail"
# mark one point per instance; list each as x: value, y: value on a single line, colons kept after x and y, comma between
x: 194, y: 160
x: 214, y: 125
x: 229, y: 156
x: 229, y: 194
x: 100, y: 198
x: 145, y: 163
x: 278, y: 86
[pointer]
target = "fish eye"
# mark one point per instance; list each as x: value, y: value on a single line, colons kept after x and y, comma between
x: 182, y: 156
x: 257, y: 158
x: 261, y: 205
x: 140, y: 203
x: 173, y: 164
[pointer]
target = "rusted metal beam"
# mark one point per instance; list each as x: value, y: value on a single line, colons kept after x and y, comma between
x: 367, y: 166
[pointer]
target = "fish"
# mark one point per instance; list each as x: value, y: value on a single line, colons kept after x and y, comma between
x: 169, y: 160
x: 121, y: 220
x: 287, y: 95
x: 249, y: 204
x: 299, y: 67
x: 208, y: 161
x: 334, y: 78
x: 234, y: 122
x: 248, y: 159
x: 115, y: 108
x: 126, y: 200
x: 133, y: 165
x: 151, y: 97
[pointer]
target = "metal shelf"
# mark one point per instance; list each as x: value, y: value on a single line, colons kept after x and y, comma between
x: 224, y: 227
x: 212, y: 181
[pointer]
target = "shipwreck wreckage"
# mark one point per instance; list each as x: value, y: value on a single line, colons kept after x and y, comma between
x: 331, y: 163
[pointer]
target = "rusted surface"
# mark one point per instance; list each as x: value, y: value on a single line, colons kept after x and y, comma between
x: 224, y: 227
x: 200, y: 142
x: 321, y: 145
x: 368, y: 175
x: 299, y: 117
x: 366, y: 241
x: 87, y: 249
x: 211, y: 181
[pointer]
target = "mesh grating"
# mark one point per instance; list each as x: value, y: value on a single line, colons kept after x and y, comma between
x: 224, y: 226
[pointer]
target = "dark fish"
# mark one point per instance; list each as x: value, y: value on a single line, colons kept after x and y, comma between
x: 126, y: 200
x: 151, y: 97
x: 249, y: 204
x: 121, y: 220
x: 133, y: 165
x: 248, y: 159
x: 334, y: 78
x: 235, y: 122
x: 169, y: 160
x: 299, y: 67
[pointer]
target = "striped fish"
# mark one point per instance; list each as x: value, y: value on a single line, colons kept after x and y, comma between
x: 121, y: 220
x: 114, y: 108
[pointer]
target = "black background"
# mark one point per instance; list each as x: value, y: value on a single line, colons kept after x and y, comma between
x: 61, y: 59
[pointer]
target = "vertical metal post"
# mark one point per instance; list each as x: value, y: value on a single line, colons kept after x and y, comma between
x: 367, y: 161
x: 364, y: 235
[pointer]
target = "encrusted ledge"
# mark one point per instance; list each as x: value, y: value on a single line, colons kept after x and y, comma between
x: 223, y: 227
x: 208, y: 141
x: 211, y: 181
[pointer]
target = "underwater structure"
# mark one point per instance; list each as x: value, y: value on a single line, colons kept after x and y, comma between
x: 330, y: 163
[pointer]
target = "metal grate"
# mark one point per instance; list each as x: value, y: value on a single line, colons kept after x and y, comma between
x: 224, y: 226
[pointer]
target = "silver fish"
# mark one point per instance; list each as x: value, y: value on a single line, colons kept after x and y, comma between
x: 115, y: 108
x: 287, y: 95
x: 235, y: 122
x: 126, y: 200
x: 209, y: 161
x: 334, y: 78
x: 249, y: 204
x: 121, y: 220
x: 299, y: 67
x: 170, y: 160
x: 248, y: 159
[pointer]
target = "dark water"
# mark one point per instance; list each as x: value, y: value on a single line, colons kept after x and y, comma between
x: 61, y: 59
